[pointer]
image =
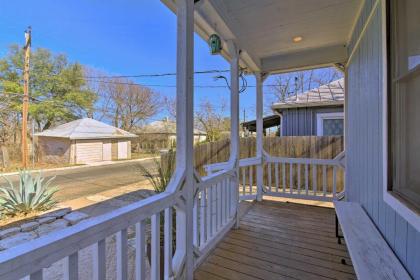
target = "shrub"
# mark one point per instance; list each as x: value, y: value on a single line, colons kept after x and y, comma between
x: 32, y: 194
x: 160, y: 175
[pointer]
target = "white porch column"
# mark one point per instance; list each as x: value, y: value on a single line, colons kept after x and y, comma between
x: 184, y: 135
x: 234, y: 124
x: 260, y: 77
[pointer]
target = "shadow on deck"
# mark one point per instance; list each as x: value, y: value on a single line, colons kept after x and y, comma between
x: 279, y: 240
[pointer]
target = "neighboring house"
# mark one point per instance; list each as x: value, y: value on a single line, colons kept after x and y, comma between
x: 319, y: 111
x: 250, y: 127
x: 162, y: 135
x: 84, y: 141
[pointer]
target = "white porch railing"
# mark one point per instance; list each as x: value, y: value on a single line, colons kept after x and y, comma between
x: 214, y: 209
x: 302, y: 178
x: 247, y: 176
x: 31, y: 258
x: 151, y: 220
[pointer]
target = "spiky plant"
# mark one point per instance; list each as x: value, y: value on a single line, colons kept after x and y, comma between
x: 161, y: 173
x: 32, y: 194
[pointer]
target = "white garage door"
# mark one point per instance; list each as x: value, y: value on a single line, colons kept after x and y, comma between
x: 88, y: 151
x: 107, y: 150
x: 122, y: 150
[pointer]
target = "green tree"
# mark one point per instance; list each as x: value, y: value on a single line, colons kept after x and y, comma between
x: 57, y: 88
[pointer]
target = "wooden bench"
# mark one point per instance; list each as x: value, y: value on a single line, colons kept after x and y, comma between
x: 371, y: 256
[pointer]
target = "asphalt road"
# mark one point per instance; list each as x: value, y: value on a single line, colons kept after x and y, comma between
x: 84, y: 181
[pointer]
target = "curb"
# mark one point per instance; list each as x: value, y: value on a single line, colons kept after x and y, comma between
x: 81, y: 166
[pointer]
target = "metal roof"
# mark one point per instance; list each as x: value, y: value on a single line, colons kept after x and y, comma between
x: 326, y: 95
x: 269, y: 121
x: 86, y: 129
x: 164, y: 126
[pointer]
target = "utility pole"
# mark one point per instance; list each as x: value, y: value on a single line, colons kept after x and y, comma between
x: 25, y: 105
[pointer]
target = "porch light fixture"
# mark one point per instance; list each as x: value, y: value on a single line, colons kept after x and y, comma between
x: 215, y: 44
x: 297, y: 39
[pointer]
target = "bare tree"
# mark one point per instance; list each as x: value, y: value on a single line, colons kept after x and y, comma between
x: 290, y: 84
x: 136, y: 104
x: 213, y: 122
x: 122, y: 102
x: 170, y: 104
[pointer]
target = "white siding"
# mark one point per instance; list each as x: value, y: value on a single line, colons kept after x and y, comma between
x: 88, y: 151
x: 364, y: 145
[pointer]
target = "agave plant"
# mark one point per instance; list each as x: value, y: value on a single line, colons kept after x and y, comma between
x: 160, y: 175
x: 32, y: 194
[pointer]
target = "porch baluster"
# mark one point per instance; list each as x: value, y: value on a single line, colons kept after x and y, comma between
x: 122, y: 254
x: 71, y: 267
x: 140, y: 251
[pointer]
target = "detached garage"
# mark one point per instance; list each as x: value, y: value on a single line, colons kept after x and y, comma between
x: 84, y: 141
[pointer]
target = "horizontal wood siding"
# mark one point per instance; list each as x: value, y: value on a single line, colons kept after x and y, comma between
x: 364, y: 145
x: 302, y: 121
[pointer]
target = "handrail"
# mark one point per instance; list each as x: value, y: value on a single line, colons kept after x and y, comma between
x: 28, y: 258
x: 214, y: 167
x: 302, y: 160
x: 210, y: 179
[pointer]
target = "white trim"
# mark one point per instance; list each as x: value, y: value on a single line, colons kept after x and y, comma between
x: 359, y: 13
x: 306, y: 59
x: 362, y: 33
x: 320, y: 117
x: 408, y: 214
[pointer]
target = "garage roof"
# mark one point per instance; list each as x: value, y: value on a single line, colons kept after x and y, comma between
x: 164, y: 126
x: 86, y: 129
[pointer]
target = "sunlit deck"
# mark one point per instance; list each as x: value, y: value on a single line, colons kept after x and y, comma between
x: 278, y: 240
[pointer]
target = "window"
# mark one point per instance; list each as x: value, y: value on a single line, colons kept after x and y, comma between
x: 404, y: 100
x: 330, y: 124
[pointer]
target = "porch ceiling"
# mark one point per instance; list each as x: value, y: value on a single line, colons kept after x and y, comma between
x: 264, y: 30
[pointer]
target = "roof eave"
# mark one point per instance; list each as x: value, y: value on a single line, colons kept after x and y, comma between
x: 204, y: 29
x: 102, y: 137
x: 276, y: 106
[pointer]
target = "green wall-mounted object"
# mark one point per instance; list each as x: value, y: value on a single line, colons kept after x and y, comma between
x: 215, y: 44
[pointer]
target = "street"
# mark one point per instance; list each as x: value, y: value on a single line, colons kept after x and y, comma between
x: 85, y: 181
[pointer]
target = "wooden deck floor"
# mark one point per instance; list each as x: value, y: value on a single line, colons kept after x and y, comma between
x: 278, y: 240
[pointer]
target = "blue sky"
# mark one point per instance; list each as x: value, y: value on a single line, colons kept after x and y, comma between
x: 118, y: 37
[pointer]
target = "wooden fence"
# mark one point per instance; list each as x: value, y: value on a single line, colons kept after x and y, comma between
x: 319, y: 147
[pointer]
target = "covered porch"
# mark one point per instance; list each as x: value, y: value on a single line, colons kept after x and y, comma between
x: 280, y: 240
x: 196, y: 228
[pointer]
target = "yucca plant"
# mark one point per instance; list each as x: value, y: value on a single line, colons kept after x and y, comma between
x: 160, y: 175
x: 32, y: 194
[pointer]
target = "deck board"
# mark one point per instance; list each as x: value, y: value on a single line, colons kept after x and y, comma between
x: 278, y: 240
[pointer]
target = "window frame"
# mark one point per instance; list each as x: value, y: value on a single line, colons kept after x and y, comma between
x: 391, y: 198
x: 320, y: 117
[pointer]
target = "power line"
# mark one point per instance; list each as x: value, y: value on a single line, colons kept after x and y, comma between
x: 154, y: 75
